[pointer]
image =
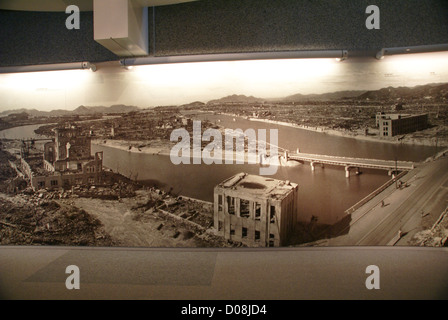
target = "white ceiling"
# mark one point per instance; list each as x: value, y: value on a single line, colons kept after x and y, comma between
x: 61, y: 5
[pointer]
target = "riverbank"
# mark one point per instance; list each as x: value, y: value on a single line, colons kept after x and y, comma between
x: 164, y: 147
x: 154, y: 147
x: 159, y: 147
x: 423, y: 138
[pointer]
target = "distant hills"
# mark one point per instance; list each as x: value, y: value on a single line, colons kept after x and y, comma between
x: 118, y: 108
x: 237, y: 98
x: 293, y: 98
x: 429, y: 91
x: 435, y: 91
x: 339, y: 95
x: 35, y: 113
x: 196, y: 104
x: 81, y: 110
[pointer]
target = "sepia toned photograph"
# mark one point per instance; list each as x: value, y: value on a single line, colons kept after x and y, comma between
x: 257, y: 153
x: 231, y: 157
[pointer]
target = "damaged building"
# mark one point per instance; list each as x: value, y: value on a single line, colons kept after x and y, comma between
x: 65, y: 161
x: 394, y: 124
x: 255, y: 210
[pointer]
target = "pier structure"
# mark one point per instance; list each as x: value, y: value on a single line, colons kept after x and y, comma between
x: 392, y: 166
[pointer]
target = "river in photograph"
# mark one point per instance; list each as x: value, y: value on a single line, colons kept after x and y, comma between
x: 325, y: 193
x: 23, y: 132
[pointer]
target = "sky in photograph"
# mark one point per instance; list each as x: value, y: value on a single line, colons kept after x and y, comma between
x: 174, y: 84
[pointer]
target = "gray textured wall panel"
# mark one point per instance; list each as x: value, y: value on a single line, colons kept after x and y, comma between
x: 41, y: 37
x: 217, y: 26
x: 252, y: 25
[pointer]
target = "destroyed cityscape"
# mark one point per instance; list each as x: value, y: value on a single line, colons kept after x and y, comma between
x: 64, y: 185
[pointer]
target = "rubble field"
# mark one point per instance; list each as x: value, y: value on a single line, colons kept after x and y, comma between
x: 8, y: 176
x: 24, y: 221
x: 120, y: 212
x: 436, y: 236
x: 154, y: 218
x: 96, y: 216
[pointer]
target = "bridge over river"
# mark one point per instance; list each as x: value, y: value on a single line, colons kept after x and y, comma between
x: 391, y: 166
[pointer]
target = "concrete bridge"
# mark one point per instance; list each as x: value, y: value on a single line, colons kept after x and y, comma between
x: 391, y: 166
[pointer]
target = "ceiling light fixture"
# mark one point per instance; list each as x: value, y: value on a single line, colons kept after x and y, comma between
x: 49, y: 67
x: 412, y: 49
x: 335, y: 54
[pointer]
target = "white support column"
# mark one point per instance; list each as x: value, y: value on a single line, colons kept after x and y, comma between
x: 121, y: 26
x: 312, y: 165
x: 347, y: 172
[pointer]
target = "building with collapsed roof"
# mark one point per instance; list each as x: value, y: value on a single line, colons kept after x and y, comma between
x: 65, y: 162
x: 255, y: 210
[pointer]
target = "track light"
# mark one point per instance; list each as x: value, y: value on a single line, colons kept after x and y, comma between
x: 413, y: 49
x: 380, y: 54
x: 49, y: 67
x: 344, y: 56
x: 335, y: 54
